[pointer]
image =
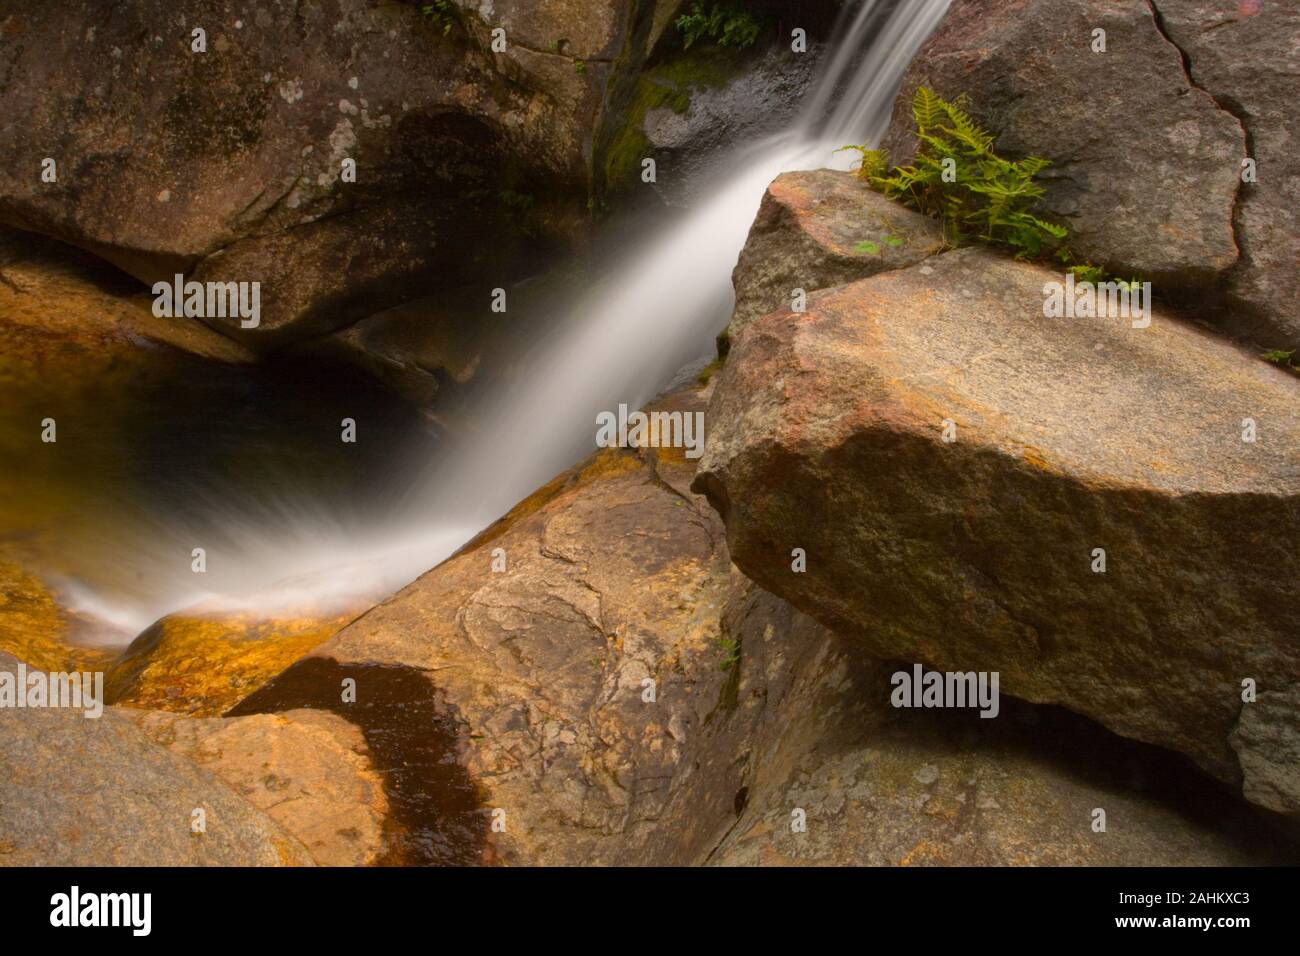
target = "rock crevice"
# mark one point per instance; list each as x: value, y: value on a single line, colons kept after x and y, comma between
x: 1232, y: 109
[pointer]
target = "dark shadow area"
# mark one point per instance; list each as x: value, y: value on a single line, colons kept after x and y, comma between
x: 17, y: 245
x: 435, y: 812
x: 1089, y: 753
x: 270, y: 434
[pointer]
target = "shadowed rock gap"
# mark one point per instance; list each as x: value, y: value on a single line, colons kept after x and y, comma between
x: 435, y: 814
x: 886, y: 786
x: 1095, y: 755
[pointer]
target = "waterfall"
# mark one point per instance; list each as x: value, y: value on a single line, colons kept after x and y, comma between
x: 666, y: 300
x: 656, y: 309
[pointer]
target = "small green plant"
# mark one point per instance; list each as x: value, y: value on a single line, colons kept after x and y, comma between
x: 873, y: 163
x: 518, y: 208
x: 1087, y: 272
x: 443, y: 14
x: 872, y: 248
x: 958, y: 178
x: 1279, y: 357
x: 730, y: 652
x: 517, y: 201
x: 724, y: 24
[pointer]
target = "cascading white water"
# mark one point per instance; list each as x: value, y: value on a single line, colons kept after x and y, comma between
x: 656, y: 310
x: 667, y: 299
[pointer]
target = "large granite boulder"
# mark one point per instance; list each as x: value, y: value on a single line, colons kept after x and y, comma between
x: 121, y: 788
x: 1246, y: 57
x: 96, y: 791
x: 950, y: 462
x: 1147, y: 139
x: 592, y: 681
x: 591, y: 686
x: 226, y: 164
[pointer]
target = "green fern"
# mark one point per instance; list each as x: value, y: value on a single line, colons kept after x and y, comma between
x: 724, y: 24
x: 873, y: 162
x: 958, y: 179
x: 927, y: 109
x: 730, y: 652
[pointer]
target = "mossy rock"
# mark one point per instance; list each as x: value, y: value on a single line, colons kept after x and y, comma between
x: 667, y: 85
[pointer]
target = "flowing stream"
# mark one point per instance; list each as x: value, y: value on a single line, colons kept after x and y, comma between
x: 654, y: 311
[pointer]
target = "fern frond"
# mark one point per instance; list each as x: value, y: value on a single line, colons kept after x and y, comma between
x: 991, y: 198
x: 965, y: 128
x: 1054, y: 230
x: 927, y: 108
x: 1033, y: 165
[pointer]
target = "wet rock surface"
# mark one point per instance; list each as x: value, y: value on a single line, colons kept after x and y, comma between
x: 690, y: 107
x: 419, y: 349
x: 36, y: 628
x: 733, y: 100
x: 434, y: 814
x: 827, y: 434
x: 202, y: 664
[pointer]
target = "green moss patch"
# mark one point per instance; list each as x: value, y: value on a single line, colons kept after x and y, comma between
x: 668, y: 85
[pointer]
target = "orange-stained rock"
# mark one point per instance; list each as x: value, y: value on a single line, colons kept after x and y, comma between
x: 203, y: 662
x: 60, y: 308
x: 36, y: 629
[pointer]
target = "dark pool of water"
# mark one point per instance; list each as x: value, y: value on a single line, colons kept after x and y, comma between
x: 159, y: 451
